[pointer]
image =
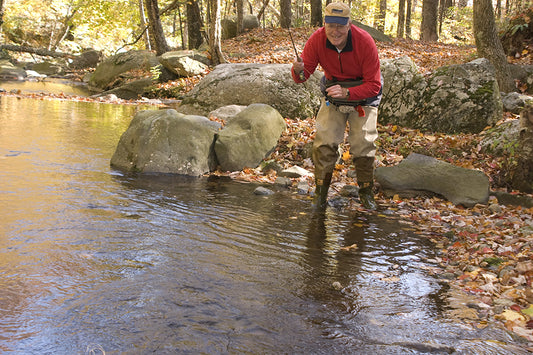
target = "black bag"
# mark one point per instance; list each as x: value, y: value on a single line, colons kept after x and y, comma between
x: 325, y: 83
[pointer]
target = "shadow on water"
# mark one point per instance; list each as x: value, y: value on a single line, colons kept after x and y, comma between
x: 91, y: 258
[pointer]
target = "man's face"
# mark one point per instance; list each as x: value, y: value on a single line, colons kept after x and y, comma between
x: 337, y: 34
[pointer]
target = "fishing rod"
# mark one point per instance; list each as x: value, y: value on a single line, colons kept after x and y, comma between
x: 302, y: 75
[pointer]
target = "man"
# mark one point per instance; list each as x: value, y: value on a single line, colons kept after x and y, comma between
x: 352, y: 87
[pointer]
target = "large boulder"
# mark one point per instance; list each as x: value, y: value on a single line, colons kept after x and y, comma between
x: 10, y: 72
x: 420, y: 174
x: 166, y: 141
x: 403, y: 88
x: 87, y: 59
x: 115, y: 68
x: 453, y: 99
x: 246, y: 84
x: 249, y: 137
x: 183, y: 63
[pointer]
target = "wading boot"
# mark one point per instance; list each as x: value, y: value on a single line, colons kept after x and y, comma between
x: 320, y: 200
x: 366, y: 196
x: 364, y: 168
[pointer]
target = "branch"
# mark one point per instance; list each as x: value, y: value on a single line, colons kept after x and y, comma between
x: 39, y: 51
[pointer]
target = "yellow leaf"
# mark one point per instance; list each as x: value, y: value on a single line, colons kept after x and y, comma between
x: 346, y: 156
x: 350, y: 247
x: 510, y: 315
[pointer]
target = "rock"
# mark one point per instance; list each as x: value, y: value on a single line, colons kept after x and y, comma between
x: 48, y: 68
x: 377, y: 35
x: 349, y: 191
x: 250, y: 22
x: 263, y: 191
x: 132, y: 90
x: 403, y: 87
x: 166, y: 141
x: 183, y: 63
x: 228, y: 28
x: 505, y: 198
x: 453, y: 99
x: 515, y: 102
x: 249, y: 137
x: 283, y: 181
x: 108, y: 71
x: 501, y: 139
x: 418, y: 172
x: 87, y: 59
x: 246, y: 84
x: 226, y: 112
x: 303, y: 188
x: 294, y: 172
x: 10, y: 72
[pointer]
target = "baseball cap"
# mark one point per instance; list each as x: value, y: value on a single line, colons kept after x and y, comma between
x: 337, y: 12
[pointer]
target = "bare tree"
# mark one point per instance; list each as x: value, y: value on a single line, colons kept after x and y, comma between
x: 146, y: 35
x: 240, y: 15
x: 428, y: 28
x: 408, y: 19
x: 379, y: 18
x: 286, y: 13
x: 401, y: 19
x: 215, y: 33
x: 194, y: 25
x: 157, y: 36
x: 489, y: 45
x: 316, y: 12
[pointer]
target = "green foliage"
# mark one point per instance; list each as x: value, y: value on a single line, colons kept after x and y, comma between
x: 100, y: 24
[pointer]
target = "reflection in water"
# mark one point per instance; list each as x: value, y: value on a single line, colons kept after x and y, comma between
x: 92, y: 258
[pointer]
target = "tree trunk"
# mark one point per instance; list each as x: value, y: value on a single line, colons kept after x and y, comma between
x: 262, y: 10
x: 215, y: 33
x: 379, y: 18
x: 286, y: 13
x: 1, y: 13
x: 489, y: 45
x: 428, y: 29
x: 240, y: 15
x: 401, y: 19
x: 194, y: 25
x: 156, y: 29
x: 316, y: 13
x: 522, y: 176
x: 408, y: 19
x: 146, y: 35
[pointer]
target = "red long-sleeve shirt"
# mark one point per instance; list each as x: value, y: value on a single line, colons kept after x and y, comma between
x: 358, y: 59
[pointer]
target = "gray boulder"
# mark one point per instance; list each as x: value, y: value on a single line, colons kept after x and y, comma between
x: 115, y: 68
x: 515, y: 102
x: 377, y: 35
x: 87, y: 59
x: 10, y: 72
x: 420, y: 174
x: 249, y: 22
x: 166, y: 141
x: 453, y: 99
x: 183, y: 63
x: 403, y: 88
x: 502, y: 139
x: 228, y: 28
x: 249, y: 137
x: 246, y: 84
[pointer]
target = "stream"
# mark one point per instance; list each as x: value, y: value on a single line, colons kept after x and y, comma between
x: 93, y: 260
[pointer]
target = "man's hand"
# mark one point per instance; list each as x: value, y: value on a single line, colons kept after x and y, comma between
x: 298, y: 67
x: 338, y: 92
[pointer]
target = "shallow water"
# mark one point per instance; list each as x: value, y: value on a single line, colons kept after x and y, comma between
x: 92, y: 259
